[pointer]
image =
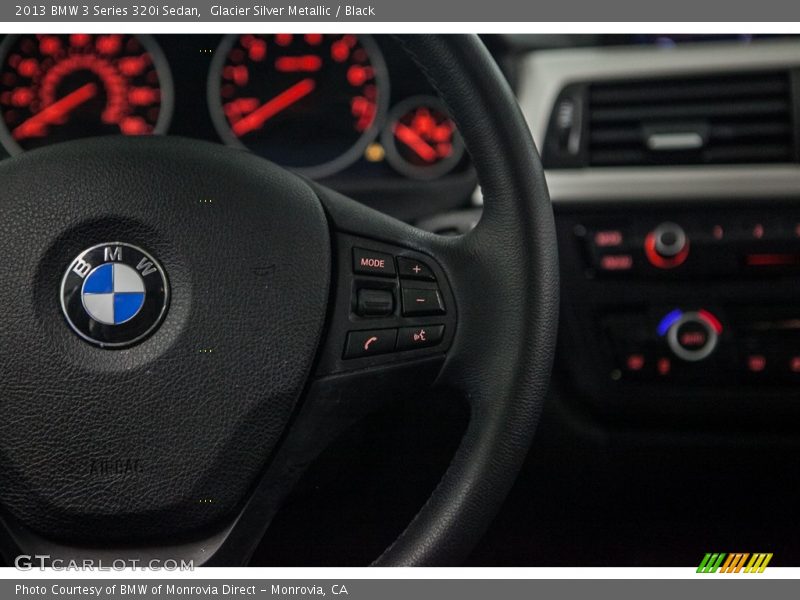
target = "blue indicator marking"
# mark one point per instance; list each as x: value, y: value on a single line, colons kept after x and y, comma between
x: 126, y: 306
x: 668, y: 320
x: 100, y: 281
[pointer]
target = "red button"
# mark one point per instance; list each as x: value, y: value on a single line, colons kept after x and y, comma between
x: 693, y: 339
x: 664, y: 366
x: 608, y: 239
x: 635, y: 362
x: 756, y: 363
x: 616, y: 262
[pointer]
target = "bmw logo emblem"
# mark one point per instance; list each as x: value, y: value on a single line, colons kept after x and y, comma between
x: 114, y: 294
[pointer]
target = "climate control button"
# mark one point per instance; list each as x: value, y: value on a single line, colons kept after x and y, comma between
x: 692, y: 336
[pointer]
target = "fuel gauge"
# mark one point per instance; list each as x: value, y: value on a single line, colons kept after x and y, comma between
x: 421, y: 140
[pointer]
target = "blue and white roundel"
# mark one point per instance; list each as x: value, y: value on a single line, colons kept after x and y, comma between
x: 113, y: 293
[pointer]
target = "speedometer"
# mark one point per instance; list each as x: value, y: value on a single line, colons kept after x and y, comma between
x: 60, y: 87
x: 309, y: 102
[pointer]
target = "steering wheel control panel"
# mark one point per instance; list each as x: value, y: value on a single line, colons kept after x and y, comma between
x: 681, y: 303
x: 392, y: 304
x: 376, y: 299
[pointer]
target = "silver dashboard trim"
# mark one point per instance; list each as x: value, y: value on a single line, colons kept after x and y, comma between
x: 544, y: 74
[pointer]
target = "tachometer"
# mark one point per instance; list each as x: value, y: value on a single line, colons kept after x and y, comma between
x: 309, y: 102
x: 60, y: 87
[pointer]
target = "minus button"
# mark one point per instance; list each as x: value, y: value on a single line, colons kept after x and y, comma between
x: 422, y: 302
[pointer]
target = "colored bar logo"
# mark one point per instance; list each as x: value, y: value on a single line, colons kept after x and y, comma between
x: 734, y: 563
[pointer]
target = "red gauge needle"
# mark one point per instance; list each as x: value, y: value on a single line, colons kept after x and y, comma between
x: 413, y: 140
x: 269, y: 109
x: 54, y: 113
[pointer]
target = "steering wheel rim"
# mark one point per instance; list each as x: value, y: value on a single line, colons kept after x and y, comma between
x: 503, y: 356
x: 503, y: 281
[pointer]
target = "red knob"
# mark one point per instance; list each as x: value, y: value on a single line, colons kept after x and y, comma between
x: 667, y: 246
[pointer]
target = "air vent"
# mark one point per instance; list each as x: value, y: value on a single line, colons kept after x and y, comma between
x: 732, y: 119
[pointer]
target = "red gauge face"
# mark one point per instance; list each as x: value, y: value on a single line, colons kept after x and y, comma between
x: 421, y: 140
x: 55, y: 88
x: 309, y: 102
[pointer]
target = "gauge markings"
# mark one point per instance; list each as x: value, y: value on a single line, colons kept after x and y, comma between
x: 308, y: 63
x: 61, y: 87
x: 309, y: 102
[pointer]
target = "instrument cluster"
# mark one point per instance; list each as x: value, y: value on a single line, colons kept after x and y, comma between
x: 321, y: 105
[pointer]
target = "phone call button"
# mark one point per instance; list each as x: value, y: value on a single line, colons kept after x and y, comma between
x: 367, y: 343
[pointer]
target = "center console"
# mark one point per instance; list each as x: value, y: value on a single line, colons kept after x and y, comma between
x: 675, y: 177
x: 665, y: 306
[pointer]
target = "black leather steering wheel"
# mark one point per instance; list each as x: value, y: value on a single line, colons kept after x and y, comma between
x: 185, y: 444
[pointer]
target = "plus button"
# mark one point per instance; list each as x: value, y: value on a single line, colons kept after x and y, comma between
x: 414, y: 269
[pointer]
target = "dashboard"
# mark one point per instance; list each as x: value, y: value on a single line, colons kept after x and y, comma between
x: 351, y: 110
x: 693, y: 139
x: 673, y: 164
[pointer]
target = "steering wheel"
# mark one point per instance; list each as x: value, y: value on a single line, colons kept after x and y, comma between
x: 178, y: 430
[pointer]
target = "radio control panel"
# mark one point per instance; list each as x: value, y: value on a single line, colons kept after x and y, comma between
x: 692, y: 245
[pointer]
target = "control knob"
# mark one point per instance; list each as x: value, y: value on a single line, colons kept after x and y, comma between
x: 692, y: 335
x: 667, y: 246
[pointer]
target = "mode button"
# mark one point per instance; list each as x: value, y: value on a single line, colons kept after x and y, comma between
x: 369, y: 262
